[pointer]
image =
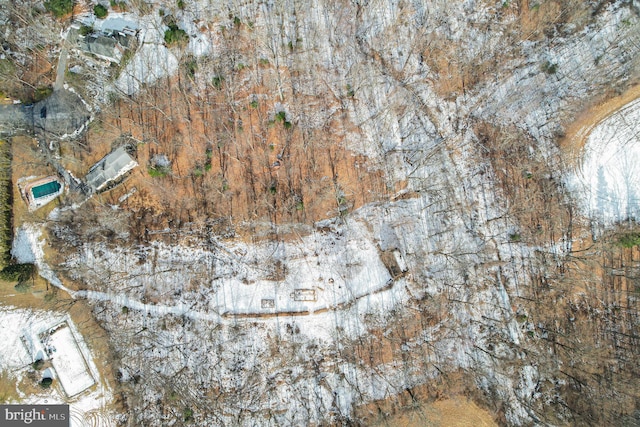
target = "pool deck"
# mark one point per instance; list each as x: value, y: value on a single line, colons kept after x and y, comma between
x: 26, y: 190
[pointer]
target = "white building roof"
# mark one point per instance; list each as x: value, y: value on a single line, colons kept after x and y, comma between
x: 111, y: 167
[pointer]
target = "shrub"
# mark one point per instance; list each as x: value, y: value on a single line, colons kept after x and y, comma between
x: 59, y: 8
x: 629, y: 240
x: 100, y: 11
x: 350, y: 91
x: 281, y: 116
x: 175, y: 35
x: 41, y: 93
x: 46, y: 382
x: 188, y: 414
x: 191, y: 67
x: 17, y: 272
x: 549, y: 67
x: 217, y: 81
x: 85, y: 30
x: 158, y: 171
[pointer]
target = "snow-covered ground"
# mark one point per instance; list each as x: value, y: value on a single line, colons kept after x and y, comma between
x: 152, y: 61
x: 270, y: 326
x: 607, y: 181
x: 23, y: 335
x: 68, y: 361
x: 27, y: 248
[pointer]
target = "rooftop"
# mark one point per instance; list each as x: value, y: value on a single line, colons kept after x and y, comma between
x: 110, y: 168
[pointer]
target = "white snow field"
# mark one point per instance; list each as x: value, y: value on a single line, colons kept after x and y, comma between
x: 151, y: 62
x: 608, y: 179
x: 23, y: 332
x: 68, y: 361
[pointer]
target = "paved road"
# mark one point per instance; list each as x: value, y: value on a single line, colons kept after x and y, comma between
x: 13, y: 117
x: 62, y: 67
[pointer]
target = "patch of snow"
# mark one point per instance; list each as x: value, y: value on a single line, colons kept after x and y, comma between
x: 68, y: 361
x: 199, y: 45
x: 151, y: 62
x: 200, y: 42
x: 607, y: 183
x: 22, y: 250
x: 13, y: 352
x: 20, y: 335
x: 27, y: 248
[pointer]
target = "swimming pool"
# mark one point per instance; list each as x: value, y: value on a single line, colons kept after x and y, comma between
x: 45, y: 190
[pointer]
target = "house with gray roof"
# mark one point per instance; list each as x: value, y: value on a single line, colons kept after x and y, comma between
x: 104, y: 47
x: 112, y: 167
x: 107, y: 39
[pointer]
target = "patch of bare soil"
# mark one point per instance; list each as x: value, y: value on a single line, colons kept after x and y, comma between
x: 26, y: 162
x: 234, y: 159
x: 456, y: 412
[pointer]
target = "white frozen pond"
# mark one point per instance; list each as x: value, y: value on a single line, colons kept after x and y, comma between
x: 607, y: 181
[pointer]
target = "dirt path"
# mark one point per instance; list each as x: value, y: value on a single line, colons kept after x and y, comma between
x: 579, y: 131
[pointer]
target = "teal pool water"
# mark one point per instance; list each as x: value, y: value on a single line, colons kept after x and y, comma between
x: 45, y: 189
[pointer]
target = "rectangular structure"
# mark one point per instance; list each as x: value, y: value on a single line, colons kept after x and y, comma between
x: 304, y: 295
x: 39, y: 192
x: 68, y: 361
x: 109, y: 169
x: 47, y: 189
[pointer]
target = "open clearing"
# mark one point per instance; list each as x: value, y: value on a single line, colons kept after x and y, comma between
x: 607, y: 179
x: 578, y: 132
x: 443, y: 413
